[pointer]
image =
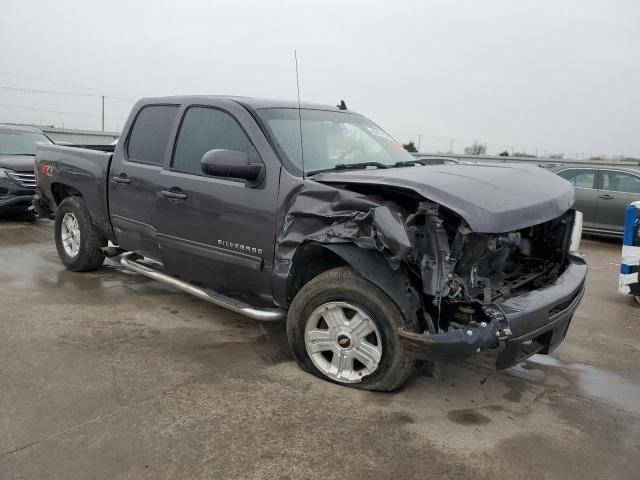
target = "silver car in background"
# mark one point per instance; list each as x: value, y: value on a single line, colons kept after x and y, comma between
x: 602, y: 195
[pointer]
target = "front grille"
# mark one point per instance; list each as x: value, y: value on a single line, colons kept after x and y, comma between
x: 24, y: 179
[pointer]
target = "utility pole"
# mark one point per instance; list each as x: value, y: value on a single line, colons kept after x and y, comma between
x: 450, y: 146
x: 419, y: 137
x: 103, y: 113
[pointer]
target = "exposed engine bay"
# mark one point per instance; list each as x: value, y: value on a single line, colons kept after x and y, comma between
x: 464, y: 271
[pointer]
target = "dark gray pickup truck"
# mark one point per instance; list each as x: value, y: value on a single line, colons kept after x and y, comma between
x: 316, y: 215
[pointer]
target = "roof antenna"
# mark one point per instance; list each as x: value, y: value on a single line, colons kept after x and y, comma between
x: 295, y: 56
x: 342, y: 105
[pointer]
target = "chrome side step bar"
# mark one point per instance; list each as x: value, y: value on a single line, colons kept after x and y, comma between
x: 130, y: 260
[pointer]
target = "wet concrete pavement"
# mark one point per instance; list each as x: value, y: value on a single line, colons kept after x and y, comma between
x: 111, y: 375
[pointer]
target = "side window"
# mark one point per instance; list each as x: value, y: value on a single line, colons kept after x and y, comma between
x: 579, y: 178
x: 150, y: 134
x: 620, y: 181
x: 205, y: 129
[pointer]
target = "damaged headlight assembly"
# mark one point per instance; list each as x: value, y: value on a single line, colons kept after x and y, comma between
x: 576, y: 232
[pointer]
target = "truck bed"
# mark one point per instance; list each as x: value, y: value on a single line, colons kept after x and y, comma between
x: 64, y: 169
x: 101, y: 148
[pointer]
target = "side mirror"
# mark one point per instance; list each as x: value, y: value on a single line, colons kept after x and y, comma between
x: 230, y: 163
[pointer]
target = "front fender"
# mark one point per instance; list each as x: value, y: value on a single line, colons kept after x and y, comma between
x: 373, y: 266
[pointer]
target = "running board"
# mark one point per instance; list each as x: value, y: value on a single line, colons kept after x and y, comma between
x: 130, y: 260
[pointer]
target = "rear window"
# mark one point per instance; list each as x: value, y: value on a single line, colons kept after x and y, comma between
x: 150, y: 134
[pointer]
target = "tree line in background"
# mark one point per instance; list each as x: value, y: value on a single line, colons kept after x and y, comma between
x: 410, y: 147
x: 481, y: 149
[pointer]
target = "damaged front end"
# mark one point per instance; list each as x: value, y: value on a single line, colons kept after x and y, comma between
x: 514, y: 291
x: 476, y: 285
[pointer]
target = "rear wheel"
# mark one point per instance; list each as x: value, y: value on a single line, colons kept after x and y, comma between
x: 343, y: 328
x: 77, y: 240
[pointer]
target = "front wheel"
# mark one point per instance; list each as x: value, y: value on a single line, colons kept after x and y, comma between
x: 343, y: 328
x: 77, y: 240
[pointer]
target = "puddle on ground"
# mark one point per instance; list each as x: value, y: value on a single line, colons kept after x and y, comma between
x: 594, y: 382
x: 13, y: 234
x: 468, y: 417
x: 398, y: 418
x: 516, y: 390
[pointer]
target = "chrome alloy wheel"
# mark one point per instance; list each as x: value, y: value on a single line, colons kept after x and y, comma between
x: 343, y: 342
x: 70, y: 233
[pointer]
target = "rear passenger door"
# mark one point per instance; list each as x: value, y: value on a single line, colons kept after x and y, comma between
x: 584, y: 184
x: 221, y: 232
x: 616, y: 190
x: 135, y: 174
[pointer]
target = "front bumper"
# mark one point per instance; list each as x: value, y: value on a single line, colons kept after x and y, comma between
x: 14, y: 196
x: 535, y: 322
x: 13, y: 201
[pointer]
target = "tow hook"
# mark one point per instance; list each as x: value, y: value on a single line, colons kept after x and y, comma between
x: 494, y: 312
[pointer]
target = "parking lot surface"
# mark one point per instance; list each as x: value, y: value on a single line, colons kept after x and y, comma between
x: 111, y: 375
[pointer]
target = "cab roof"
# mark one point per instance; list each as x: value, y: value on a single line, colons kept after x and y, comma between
x: 250, y: 102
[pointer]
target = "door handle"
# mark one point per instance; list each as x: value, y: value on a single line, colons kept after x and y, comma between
x: 121, y: 179
x: 606, y: 196
x: 174, y: 193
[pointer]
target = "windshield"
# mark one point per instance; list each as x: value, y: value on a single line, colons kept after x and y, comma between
x: 20, y: 142
x: 330, y: 139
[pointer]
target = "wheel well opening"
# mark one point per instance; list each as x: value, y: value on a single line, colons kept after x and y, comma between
x: 310, y: 261
x: 60, y: 191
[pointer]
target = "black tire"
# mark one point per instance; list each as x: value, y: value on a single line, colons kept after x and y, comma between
x: 89, y: 255
x: 345, y: 285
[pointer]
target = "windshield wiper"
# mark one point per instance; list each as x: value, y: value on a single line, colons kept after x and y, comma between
x: 409, y: 163
x: 18, y: 154
x: 356, y: 166
x: 350, y: 166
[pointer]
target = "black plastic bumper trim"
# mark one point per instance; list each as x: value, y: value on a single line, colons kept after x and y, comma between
x: 538, y: 321
x: 16, y: 201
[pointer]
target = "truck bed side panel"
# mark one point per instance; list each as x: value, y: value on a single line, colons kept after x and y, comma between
x: 85, y: 171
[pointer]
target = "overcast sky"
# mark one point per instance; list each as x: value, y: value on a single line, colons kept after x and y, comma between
x: 557, y: 75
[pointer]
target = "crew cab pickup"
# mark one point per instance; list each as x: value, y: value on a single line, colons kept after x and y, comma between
x: 315, y: 214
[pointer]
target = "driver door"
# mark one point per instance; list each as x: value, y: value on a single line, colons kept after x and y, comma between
x: 217, y: 231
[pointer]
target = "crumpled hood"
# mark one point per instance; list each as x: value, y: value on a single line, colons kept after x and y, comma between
x: 492, y: 198
x: 18, y: 163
